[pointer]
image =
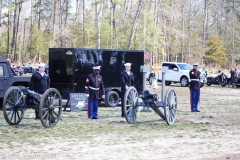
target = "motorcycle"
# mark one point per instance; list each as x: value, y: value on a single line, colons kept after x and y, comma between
x: 26, y: 69
x: 235, y: 81
x: 16, y: 69
x: 220, y: 79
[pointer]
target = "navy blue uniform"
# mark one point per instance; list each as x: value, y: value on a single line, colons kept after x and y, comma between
x: 126, y: 80
x: 94, y: 87
x: 194, y: 89
x: 39, y: 84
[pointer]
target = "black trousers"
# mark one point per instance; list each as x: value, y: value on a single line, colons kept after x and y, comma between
x: 36, y: 110
x: 123, y: 90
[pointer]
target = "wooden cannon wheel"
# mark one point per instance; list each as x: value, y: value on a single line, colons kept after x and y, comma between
x: 12, y: 106
x: 170, y: 106
x: 50, y: 107
x: 129, y: 105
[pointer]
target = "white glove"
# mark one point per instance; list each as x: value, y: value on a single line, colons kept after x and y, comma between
x: 87, y: 95
x: 103, y: 96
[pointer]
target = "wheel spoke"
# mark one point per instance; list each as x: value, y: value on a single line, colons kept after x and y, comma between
x: 15, y: 116
x: 47, y: 117
x: 12, y: 115
x: 45, y: 114
x: 10, y: 111
x: 18, y: 114
x: 12, y: 103
x: 53, y: 118
x: 57, y: 115
x: 56, y: 101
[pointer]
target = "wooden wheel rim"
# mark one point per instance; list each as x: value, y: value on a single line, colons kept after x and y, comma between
x: 170, y: 106
x: 129, y: 105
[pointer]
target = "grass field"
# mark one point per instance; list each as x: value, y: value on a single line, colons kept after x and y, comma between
x: 211, y: 134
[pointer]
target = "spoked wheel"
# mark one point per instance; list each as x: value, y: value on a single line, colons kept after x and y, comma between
x: 13, y: 102
x: 129, y: 105
x: 170, y: 106
x: 50, y: 108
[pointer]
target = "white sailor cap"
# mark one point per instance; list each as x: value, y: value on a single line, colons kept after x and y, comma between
x: 41, y: 65
x: 96, y: 67
x: 127, y: 64
x: 195, y: 64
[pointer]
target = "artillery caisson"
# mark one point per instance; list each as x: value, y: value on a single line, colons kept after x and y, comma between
x: 17, y: 99
x: 166, y: 108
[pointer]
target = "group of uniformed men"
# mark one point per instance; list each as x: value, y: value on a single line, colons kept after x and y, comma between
x: 40, y: 82
x: 94, y: 83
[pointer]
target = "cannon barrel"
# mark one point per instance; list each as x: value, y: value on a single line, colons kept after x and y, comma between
x: 31, y: 93
x: 150, y: 98
x: 148, y: 94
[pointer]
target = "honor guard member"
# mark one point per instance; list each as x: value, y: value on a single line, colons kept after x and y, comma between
x: 194, y: 87
x: 94, y: 84
x: 39, y: 82
x: 127, y: 80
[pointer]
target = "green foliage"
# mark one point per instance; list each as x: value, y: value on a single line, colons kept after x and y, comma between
x: 40, y: 44
x: 216, y: 53
x: 3, y: 44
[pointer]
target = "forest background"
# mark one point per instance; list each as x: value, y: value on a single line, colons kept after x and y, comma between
x: 206, y: 31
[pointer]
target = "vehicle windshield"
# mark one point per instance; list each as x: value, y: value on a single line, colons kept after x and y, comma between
x: 184, y: 66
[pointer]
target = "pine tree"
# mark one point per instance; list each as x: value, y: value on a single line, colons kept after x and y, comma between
x: 216, y: 53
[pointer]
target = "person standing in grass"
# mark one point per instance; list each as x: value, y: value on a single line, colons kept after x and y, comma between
x: 39, y: 83
x: 94, y: 84
x: 127, y: 80
x: 194, y: 87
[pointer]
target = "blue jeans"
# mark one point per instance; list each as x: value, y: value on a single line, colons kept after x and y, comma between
x: 93, y: 107
x: 194, y: 99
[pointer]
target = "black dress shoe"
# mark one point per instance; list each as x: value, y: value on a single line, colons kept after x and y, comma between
x: 95, y: 118
x: 197, y: 111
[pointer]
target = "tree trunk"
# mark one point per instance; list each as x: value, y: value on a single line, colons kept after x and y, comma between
x: 39, y: 6
x: 135, y: 23
x: 115, y: 36
x: 183, y: 33
x: 233, y: 33
x: 53, y: 22
x: 84, y: 40
x: 1, y: 12
x: 204, y: 28
x: 98, y: 25
x: 189, y: 31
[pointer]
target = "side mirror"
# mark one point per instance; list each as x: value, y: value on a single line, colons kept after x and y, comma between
x: 175, y: 69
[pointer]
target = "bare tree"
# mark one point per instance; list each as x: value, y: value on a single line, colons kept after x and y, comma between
x: 115, y: 35
x: 204, y: 28
x: 17, y: 11
x: 135, y: 23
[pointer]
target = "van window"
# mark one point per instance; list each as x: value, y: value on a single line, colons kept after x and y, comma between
x: 1, y: 70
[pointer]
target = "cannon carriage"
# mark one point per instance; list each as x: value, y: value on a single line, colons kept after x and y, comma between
x: 17, y: 99
x: 166, y: 108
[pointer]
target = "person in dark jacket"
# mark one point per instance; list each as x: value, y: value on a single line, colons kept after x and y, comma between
x: 94, y: 87
x: 194, y: 87
x: 233, y: 73
x: 39, y: 82
x: 127, y: 80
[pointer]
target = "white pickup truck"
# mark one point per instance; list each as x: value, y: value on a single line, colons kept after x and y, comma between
x: 178, y: 73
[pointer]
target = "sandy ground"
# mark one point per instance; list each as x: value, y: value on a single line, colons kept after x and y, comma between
x: 211, y: 134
